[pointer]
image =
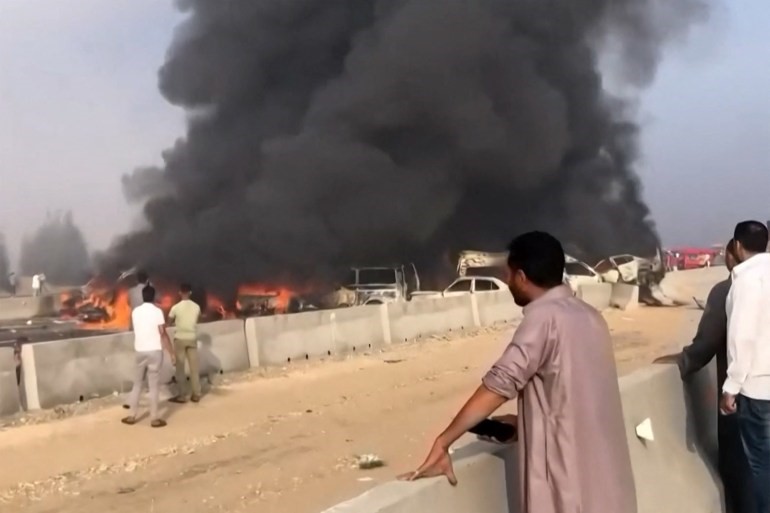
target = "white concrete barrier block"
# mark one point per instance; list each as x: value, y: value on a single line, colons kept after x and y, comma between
x: 596, y: 294
x: 624, y: 296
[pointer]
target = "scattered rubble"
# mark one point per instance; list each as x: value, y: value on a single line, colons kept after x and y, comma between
x: 368, y: 462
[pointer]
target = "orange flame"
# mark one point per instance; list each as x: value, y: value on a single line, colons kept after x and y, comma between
x: 116, y: 310
x: 108, y: 309
x: 279, y: 297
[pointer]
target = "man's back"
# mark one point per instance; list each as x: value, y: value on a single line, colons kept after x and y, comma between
x: 185, y: 314
x: 582, y: 379
x: 146, y: 319
x: 572, y: 434
x: 748, y: 329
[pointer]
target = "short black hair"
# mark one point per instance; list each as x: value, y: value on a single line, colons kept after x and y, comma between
x: 185, y: 288
x: 142, y: 277
x: 148, y: 294
x: 730, y: 248
x: 752, y: 235
x: 540, y: 256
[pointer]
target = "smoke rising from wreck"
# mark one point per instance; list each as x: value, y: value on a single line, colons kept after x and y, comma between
x: 324, y: 133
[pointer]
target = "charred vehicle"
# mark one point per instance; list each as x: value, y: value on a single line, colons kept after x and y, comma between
x: 479, y: 263
x: 647, y: 273
x: 379, y: 285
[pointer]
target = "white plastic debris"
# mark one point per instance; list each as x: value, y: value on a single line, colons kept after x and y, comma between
x: 644, y: 430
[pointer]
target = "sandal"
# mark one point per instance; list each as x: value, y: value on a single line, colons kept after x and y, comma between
x: 178, y: 400
x: 158, y: 423
x: 129, y: 421
x: 195, y: 398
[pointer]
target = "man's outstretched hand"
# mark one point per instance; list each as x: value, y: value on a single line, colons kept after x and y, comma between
x: 438, y: 463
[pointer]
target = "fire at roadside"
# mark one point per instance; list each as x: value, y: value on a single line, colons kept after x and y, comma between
x: 106, y: 307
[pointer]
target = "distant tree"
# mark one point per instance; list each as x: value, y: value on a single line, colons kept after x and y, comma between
x: 57, y: 249
x: 5, y: 264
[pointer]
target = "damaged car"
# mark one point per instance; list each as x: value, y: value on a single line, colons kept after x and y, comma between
x: 646, y: 273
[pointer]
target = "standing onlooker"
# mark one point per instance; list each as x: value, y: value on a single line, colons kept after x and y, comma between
x: 572, y: 447
x: 746, y: 389
x: 135, y: 293
x: 711, y: 340
x: 150, y: 339
x: 185, y: 315
x: 12, y: 283
x: 36, y: 285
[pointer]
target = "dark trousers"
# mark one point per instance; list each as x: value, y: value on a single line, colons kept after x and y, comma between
x: 754, y: 422
x: 734, y: 467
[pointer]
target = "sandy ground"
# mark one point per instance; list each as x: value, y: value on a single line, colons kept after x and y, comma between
x: 283, y: 441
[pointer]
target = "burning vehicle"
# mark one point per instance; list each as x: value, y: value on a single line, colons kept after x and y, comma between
x: 105, y: 305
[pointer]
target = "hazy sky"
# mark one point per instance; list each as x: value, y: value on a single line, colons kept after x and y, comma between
x: 79, y: 106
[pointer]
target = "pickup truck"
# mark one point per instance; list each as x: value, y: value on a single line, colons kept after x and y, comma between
x: 379, y: 285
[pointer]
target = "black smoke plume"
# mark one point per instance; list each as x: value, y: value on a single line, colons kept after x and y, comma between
x: 58, y: 250
x: 324, y: 133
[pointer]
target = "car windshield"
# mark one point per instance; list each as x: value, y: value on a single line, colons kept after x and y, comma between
x: 501, y: 273
x: 460, y: 286
x: 374, y: 277
x: 577, y: 269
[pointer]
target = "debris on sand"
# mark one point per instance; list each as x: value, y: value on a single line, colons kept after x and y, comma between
x: 369, y: 461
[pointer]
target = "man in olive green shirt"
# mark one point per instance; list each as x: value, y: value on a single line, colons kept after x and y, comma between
x: 185, y: 315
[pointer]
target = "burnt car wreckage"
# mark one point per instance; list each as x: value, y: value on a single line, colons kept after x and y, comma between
x: 647, y: 273
x: 374, y: 285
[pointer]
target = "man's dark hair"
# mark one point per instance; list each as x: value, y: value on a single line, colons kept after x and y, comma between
x: 185, y: 288
x: 148, y: 294
x: 540, y: 256
x: 752, y: 235
x: 142, y: 277
x: 730, y: 248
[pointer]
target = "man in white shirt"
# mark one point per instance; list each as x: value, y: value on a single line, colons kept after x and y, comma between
x: 746, y: 391
x: 150, y: 340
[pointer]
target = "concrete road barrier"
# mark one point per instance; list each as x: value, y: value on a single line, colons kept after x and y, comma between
x: 66, y: 371
x: 673, y: 472
x: 495, y: 307
x: 359, y: 329
x: 222, y: 347
x: 624, y: 296
x: 282, y: 339
x: 415, y: 319
x: 22, y: 308
x: 10, y: 399
x: 596, y: 294
x: 487, y: 484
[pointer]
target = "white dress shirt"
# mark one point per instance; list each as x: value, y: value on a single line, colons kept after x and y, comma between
x: 748, y: 329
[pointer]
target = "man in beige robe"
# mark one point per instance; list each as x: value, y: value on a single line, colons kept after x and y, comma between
x: 573, y: 452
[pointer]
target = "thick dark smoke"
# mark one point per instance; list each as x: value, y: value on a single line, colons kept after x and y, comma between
x: 324, y: 133
x: 57, y: 249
